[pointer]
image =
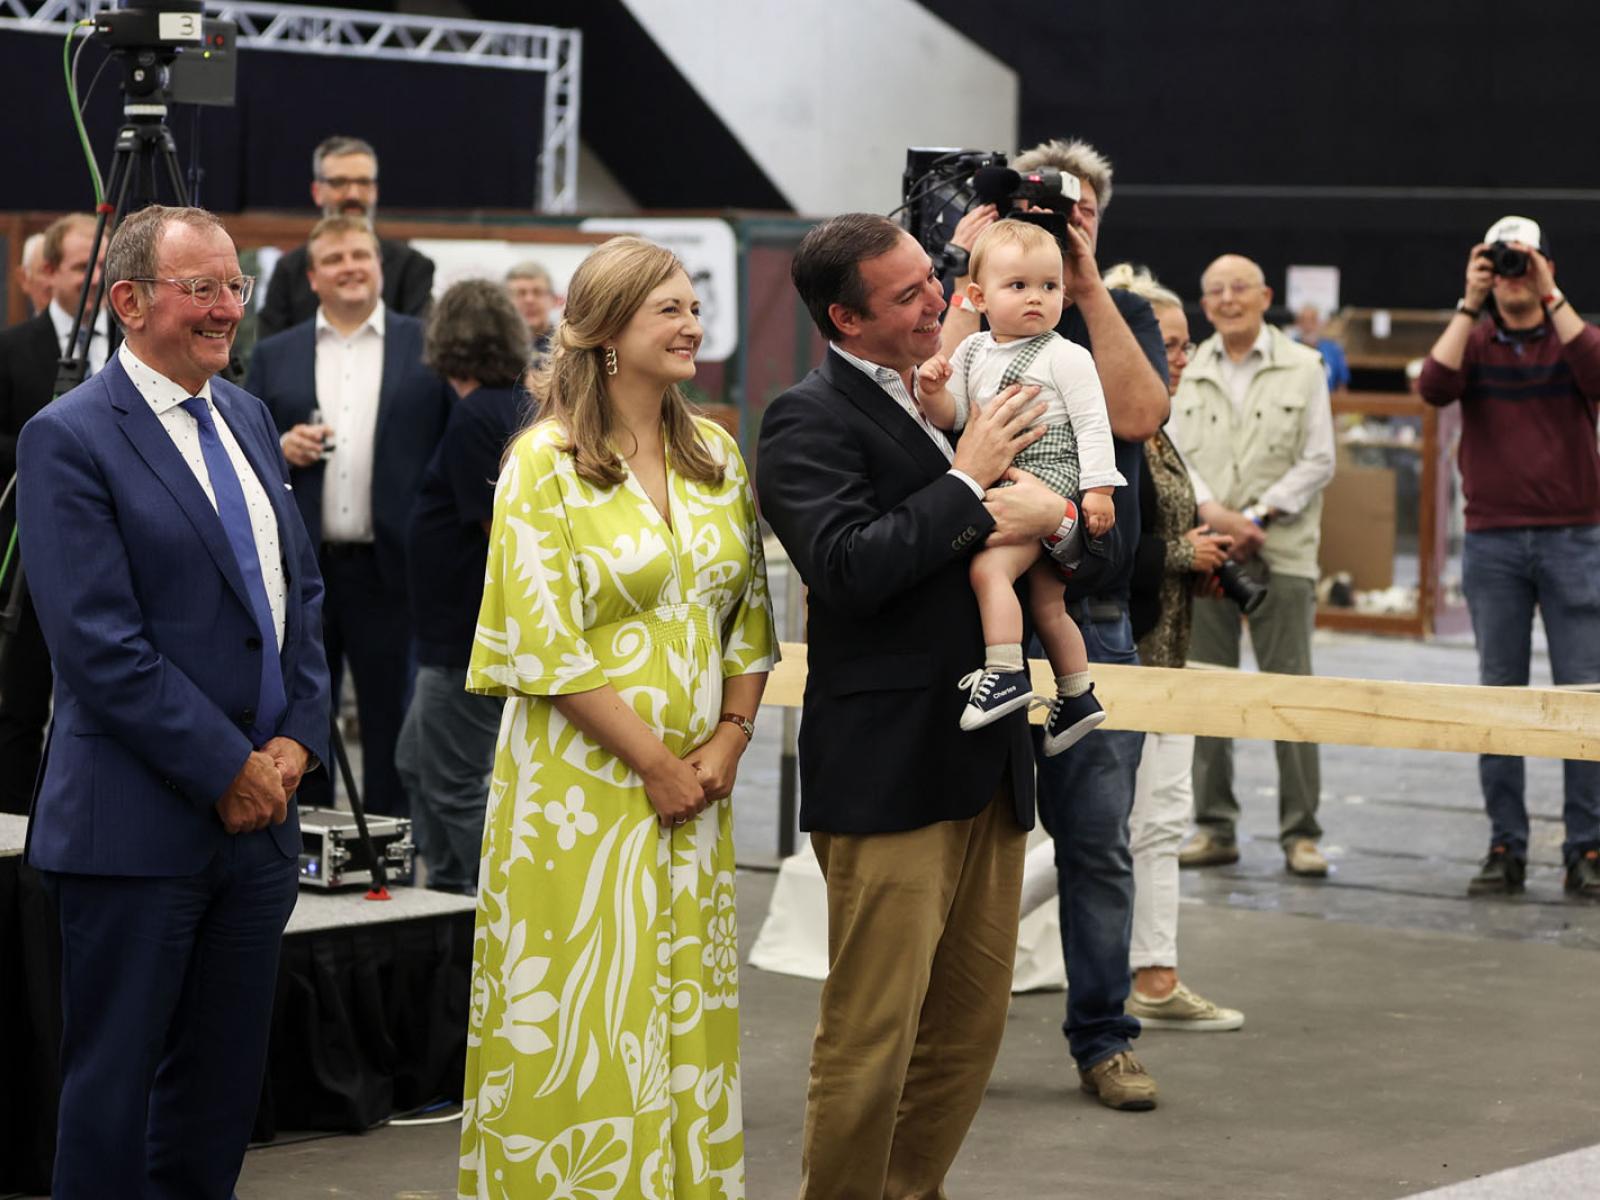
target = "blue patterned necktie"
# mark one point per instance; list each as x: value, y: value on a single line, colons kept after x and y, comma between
x: 235, y: 514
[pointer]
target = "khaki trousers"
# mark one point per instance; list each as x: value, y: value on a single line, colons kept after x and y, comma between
x: 922, y: 936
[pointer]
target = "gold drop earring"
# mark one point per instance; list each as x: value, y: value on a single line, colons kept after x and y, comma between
x: 611, y: 360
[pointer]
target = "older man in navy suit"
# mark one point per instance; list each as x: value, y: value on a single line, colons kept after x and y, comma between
x: 180, y: 600
x: 360, y: 417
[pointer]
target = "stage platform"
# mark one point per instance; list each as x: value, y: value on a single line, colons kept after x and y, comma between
x: 369, y: 1019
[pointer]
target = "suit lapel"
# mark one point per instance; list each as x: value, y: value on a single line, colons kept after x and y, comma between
x: 882, y: 410
x: 154, y: 444
x: 393, y: 369
x: 306, y: 368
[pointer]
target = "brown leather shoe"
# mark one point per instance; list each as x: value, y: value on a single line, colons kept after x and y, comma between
x: 1302, y: 857
x: 1120, y: 1082
x: 1208, y: 850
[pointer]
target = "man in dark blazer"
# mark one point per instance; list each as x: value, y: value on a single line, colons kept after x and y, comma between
x: 344, y: 182
x: 29, y: 354
x: 919, y: 828
x: 180, y: 599
x: 360, y: 416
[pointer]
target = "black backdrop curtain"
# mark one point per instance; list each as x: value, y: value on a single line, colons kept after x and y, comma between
x: 447, y: 136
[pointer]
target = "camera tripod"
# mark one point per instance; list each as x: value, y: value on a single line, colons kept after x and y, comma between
x: 143, y: 145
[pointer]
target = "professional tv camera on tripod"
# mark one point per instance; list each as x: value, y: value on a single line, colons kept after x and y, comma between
x: 169, y: 53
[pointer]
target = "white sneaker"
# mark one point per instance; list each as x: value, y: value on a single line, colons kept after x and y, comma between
x: 1183, y: 1010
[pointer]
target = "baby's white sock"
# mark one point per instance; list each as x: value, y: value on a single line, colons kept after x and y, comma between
x: 1075, y: 684
x: 1003, y: 658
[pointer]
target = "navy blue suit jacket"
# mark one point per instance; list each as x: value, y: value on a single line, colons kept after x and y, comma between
x: 413, y: 406
x: 157, y: 654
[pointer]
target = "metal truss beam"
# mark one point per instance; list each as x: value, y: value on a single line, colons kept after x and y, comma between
x: 348, y: 33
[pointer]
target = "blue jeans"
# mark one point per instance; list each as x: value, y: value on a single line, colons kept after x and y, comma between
x: 1085, y: 796
x: 445, y: 755
x: 1505, y: 573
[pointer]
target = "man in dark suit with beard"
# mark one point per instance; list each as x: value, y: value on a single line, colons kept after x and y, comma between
x: 918, y: 827
x: 344, y: 183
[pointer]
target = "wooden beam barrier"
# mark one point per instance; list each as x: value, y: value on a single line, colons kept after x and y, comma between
x: 1536, y: 722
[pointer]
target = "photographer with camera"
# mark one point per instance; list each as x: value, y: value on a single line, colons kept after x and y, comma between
x: 1528, y: 380
x: 1253, y: 420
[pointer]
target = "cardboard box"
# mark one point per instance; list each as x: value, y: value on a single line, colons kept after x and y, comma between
x: 1358, y: 519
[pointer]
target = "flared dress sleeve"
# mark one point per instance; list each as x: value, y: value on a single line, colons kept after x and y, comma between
x: 530, y: 637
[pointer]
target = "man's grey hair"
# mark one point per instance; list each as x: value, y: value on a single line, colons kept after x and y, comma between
x: 337, y: 145
x: 1074, y: 156
x: 528, y: 269
x: 135, y: 251
x: 1142, y: 283
x: 33, y: 251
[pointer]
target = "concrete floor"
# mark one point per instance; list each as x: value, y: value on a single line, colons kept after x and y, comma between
x: 1399, y: 1037
x: 1374, y: 1063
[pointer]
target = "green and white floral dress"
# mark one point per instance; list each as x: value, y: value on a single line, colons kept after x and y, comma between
x: 603, y: 1042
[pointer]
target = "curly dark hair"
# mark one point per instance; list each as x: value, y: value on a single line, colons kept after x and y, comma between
x: 474, y: 332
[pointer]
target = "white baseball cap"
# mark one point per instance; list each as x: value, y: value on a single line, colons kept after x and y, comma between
x: 1517, y: 229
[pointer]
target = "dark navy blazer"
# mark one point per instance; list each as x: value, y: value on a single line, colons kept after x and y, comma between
x: 157, y: 654
x: 882, y: 534
x: 413, y: 406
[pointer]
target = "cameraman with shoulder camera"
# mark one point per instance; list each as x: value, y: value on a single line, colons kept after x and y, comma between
x: 1253, y: 420
x: 1528, y: 380
x: 1086, y: 793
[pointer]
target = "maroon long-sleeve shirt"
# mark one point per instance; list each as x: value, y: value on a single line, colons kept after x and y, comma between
x: 1529, y: 449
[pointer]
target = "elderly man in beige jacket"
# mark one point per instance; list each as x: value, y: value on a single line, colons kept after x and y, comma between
x: 1253, y: 420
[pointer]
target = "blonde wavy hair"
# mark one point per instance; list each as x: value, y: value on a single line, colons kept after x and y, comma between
x: 608, y: 288
x: 1141, y: 282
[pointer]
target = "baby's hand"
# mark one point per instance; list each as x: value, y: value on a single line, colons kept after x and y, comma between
x: 934, y: 374
x: 1099, y: 513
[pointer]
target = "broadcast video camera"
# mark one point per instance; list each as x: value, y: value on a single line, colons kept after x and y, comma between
x: 171, y: 52
x: 940, y: 186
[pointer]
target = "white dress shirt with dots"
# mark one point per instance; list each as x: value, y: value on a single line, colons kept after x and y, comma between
x: 165, y: 399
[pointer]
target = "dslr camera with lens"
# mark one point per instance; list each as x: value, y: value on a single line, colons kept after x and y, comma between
x: 1506, y: 260
x: 1240, y: 588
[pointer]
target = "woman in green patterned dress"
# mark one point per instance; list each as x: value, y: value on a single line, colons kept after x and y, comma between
x: 626, y: 619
